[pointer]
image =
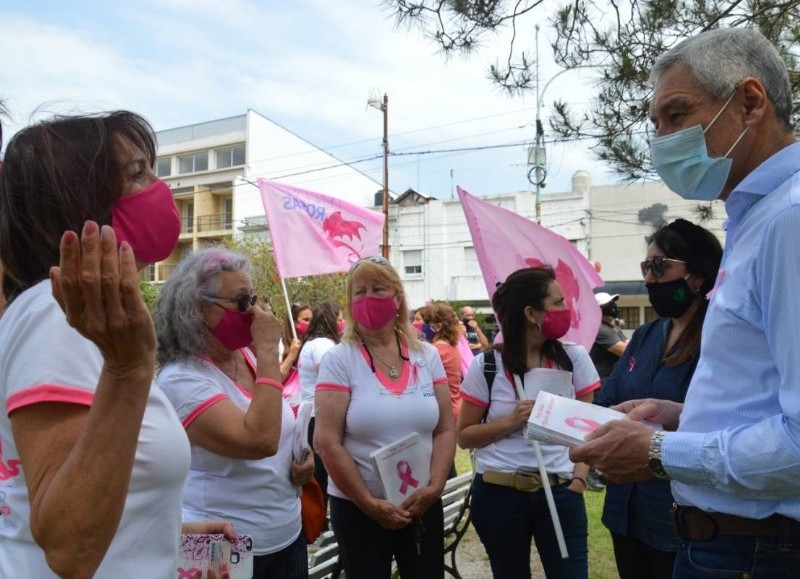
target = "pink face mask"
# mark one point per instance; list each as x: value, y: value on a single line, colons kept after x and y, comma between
x: 302, y: 328
x: 418, y: 326
x: 149, y: 221
x: 556, y: 323
x: 233, y: 329
x: 374, y: 312
x: 341, y: 326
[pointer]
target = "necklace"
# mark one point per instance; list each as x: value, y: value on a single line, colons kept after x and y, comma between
x: 393, y: 372
x: 235, y: 369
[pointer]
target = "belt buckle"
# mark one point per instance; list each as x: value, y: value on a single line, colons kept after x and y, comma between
x: 528, y: 481
x: 703, y: 526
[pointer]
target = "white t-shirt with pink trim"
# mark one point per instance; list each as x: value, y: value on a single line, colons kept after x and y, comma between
x: 381, y: 411
x: 309, y: 362
x: 514, y: 452
x: 256, y: 495
x: 42, y: 359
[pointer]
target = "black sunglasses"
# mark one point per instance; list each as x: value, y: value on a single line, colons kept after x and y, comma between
x: 242, y: 302
x: 658, y: 265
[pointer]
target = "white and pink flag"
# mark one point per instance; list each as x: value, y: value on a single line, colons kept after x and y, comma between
x: 505, y: 242
x: 315, y: 234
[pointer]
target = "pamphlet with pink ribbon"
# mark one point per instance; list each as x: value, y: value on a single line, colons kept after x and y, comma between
x: 403, y: 467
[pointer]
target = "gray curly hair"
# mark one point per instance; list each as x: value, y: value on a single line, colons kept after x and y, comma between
x: 177, y: 313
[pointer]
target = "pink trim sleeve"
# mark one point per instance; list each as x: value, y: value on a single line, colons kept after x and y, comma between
x: 590, y: 388
x: 474, y: 401
x: 440, y: 380
x: 49, y: 393
x: 332, y: 386
x: 192, y: 416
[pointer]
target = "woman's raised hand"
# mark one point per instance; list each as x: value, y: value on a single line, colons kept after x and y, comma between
x: 266, y: 328
x: 97, y: 287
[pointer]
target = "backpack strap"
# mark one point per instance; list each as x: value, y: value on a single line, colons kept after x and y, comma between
x: 489, y: 371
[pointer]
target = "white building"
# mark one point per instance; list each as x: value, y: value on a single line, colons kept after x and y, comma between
x: 212, y: 167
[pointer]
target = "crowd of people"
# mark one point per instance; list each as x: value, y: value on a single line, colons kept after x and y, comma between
x: 124, y: 429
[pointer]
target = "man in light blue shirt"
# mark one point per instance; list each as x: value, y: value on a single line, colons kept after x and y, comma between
x: 721, y: 106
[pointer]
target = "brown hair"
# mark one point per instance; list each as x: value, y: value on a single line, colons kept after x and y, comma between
x: 291, y: 320
x: 58, y: 174
x: 525, y: 287
x: 449, y: 328
x: 324, y: 322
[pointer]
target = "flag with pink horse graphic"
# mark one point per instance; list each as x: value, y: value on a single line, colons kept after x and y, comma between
x: 505, y: 242
x: 315, y: 234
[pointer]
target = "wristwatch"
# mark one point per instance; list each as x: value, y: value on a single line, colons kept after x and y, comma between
x: 654, y: 456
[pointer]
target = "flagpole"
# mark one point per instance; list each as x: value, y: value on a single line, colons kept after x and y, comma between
x: 385, y: 109
x: 288, y: 311
x: 548, y: 492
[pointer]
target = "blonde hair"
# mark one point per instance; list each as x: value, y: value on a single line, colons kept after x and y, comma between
x: 386, y: 274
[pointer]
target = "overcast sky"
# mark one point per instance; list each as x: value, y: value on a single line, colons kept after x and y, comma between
x: 309, y: 65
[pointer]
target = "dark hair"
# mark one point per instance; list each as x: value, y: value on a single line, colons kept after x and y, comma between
x: 289, y: 321
x: 446, y: 317
x: 57, y: 174
x: 702, y: 252
x: 324, y: 322
x: 426, y: 312
x: 525, y: 287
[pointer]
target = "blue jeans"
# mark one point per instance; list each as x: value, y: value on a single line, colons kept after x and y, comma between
x: 506, y: 520
x: 738, y: 558
x: 289, y: 563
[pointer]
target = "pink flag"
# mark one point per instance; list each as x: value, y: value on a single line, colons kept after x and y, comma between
x: 505, y: 242
x: 314, y: 234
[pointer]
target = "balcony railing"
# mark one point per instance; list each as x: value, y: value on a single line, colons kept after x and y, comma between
x: 187, y: 224
x: 218, y: 222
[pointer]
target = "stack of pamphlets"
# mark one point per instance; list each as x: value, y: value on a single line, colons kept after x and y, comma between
x: 300, y: 436
x: 403, y: 468
x: 565, y: 421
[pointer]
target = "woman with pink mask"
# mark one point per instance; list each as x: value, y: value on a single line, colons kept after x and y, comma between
x: 239, y: 426
x: 509, y: 507
x: 299, y: 319
x: 377, y: 386
x: 92, y: 459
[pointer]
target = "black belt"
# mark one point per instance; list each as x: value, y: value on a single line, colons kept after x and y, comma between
x: 693, y: 524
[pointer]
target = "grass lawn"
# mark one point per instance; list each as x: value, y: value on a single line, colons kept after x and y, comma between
x: 601, y: 553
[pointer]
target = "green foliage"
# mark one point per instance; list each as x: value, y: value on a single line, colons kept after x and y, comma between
x: 149, y: 293
x: 621, y: 40
x: 266, y: 281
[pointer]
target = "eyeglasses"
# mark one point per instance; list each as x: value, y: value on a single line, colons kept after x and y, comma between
x: 658, y: 265
x: 379, y: 259
x: 242, y: 302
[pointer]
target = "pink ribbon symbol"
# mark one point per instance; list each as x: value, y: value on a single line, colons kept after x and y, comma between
x: 631, y: 364
x: 188, y: 573
x: 404, y: 472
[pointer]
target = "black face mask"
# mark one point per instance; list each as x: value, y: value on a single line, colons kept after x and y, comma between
x: 670, y: 299
x: 610, y: 310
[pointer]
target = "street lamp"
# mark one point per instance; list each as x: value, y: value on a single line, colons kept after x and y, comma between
x: 537, y: 155
x: 383, y: 106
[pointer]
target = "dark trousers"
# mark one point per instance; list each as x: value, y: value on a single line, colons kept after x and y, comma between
x: 289, y: 563
x: 366, y: 548
x: 637, y: 560
x: 506, y: 521
x: 738, y: 557
x: 319, y: 469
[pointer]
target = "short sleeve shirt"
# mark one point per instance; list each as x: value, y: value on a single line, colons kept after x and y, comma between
x: 309, y: 362
x: 380, y: 411
x: 604, y: 360
x: 514, y: 452
x: 42, y: 359
x: 256, y: 495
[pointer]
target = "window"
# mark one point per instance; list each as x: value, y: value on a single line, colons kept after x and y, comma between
x: 188, y: 217
x: 151, y: 272
x: 230, y: 157
x: 650, y: 314
x: 412, y: 262
x: 631, y: 317
x: 470, y: 261
x: 227, y: 209
x: 163, y: 167
x: 193, y: 163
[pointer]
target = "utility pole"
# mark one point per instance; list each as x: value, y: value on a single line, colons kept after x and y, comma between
x: 383, y: 106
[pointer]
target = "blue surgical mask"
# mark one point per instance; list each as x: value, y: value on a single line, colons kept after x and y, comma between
x: 681, y: 160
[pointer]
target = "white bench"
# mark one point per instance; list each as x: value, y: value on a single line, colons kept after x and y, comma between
x: 323, y: 562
